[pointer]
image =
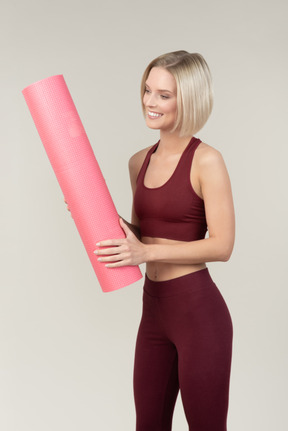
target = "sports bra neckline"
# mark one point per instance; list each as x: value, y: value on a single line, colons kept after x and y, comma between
x: 147, y: 161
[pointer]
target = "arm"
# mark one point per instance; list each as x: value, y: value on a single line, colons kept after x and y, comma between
x: 215, y: 189
x: 134, y: 166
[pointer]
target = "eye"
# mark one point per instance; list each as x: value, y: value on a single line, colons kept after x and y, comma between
x: 164, y: 97
x: 146, y: 90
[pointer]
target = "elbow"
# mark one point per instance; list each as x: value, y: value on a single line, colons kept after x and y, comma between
x: 225, y: 257
x: 225, y: 252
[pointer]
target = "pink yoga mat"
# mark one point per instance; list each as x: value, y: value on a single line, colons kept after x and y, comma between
x: 78, y: 174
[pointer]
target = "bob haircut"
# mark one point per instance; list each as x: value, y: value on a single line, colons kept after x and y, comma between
x: 194, y: 89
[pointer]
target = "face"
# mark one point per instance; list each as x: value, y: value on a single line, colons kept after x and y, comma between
x: 160, y: 99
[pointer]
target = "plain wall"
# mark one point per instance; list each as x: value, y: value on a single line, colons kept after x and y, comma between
x: 66, y: 357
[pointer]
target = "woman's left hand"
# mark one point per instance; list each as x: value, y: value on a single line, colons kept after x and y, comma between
x: 123, y: 252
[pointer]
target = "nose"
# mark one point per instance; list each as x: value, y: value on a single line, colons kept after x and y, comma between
x: 149, y: 99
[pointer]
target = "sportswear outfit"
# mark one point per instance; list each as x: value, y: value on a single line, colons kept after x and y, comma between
x: 185, y: 335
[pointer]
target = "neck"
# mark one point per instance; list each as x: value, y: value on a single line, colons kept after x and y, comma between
x: 172, y: 142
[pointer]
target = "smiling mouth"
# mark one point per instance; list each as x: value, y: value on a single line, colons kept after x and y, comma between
x: 153, y: 114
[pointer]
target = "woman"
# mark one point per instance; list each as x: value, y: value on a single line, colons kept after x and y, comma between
x: 181, y: 187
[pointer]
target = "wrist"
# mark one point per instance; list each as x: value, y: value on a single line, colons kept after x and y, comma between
x: 149, y: 252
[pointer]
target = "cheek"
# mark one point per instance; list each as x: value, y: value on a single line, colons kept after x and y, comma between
x: 173, y: 109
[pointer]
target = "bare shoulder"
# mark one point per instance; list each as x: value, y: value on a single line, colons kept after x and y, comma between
x: 210, y: 167
x: 207, y: 156
x: 136, y: 161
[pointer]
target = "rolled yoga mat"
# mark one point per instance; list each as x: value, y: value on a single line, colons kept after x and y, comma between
x: 78, y: 174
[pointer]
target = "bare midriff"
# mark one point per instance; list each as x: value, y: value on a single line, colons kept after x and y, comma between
x: 161, y: 271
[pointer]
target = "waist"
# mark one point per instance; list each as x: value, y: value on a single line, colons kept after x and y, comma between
x: 160, y: 271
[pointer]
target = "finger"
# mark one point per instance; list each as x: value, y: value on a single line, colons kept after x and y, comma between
x: 108, y: 251
x: 117, y: 264
x: 110, y: 242
x: 124, y: 226
x: 112, y: 258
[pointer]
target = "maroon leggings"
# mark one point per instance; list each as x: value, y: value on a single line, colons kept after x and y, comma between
x: 184, y: 342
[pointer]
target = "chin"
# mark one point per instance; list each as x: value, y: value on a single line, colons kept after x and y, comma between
x: 152, y: 126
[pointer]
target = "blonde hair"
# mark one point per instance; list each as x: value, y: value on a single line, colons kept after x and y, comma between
x: 194, y: 89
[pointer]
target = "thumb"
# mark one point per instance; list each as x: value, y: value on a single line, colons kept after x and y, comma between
x: 124, y: 227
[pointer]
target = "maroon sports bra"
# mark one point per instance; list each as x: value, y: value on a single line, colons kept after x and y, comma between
x: 173, y: 210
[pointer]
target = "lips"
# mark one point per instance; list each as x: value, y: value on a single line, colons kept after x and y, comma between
x: 154, y: 115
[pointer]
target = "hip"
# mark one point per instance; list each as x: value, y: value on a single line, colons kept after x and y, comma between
x: 189, y: 301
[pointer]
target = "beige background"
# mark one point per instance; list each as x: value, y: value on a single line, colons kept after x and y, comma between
x: 66, y: 356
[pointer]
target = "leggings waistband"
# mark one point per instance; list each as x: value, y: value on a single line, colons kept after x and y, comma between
x: 194, y: 281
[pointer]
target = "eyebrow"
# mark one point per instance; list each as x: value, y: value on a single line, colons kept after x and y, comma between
x: 160, y: 90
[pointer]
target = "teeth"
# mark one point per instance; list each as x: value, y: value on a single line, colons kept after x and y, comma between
x: 153, y: 114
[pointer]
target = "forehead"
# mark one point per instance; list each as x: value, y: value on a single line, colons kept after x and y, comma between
x: 161, y: 79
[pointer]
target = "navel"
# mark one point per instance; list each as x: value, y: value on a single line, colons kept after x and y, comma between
x: 155, y: 274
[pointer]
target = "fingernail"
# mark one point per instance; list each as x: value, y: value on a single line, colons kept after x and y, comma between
x: 98, y: 244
